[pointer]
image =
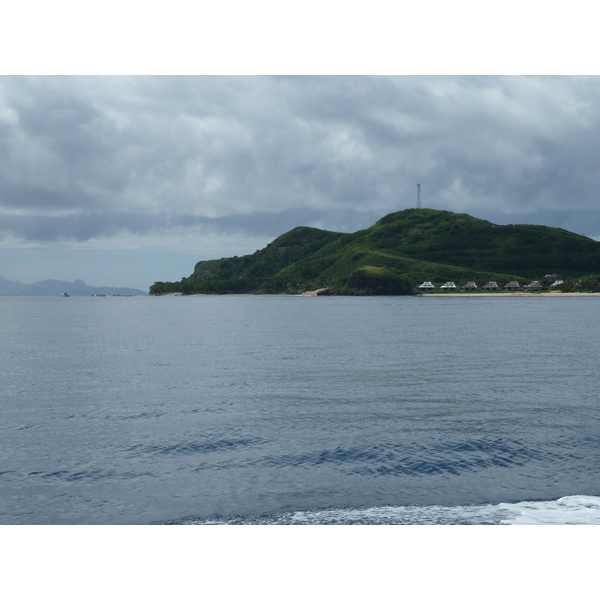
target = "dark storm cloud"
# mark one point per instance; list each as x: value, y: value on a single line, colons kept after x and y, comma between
x: 84, y: 226
x: 83, y: 157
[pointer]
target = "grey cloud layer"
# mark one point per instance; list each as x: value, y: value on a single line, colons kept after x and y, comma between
x: 82, y: 157
x: 84, y: 226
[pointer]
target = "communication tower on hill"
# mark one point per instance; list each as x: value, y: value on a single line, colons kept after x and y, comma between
x: 418, y: 195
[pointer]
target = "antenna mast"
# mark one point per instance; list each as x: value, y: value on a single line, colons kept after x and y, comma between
x: 418, y: 195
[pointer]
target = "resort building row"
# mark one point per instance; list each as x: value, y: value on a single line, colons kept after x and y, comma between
x: 491, y: 286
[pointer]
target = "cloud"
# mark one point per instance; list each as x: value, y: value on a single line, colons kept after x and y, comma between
x: 86, y: 226
x: 89, y: 157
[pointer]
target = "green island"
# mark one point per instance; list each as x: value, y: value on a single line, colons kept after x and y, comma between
x: 397, y: 254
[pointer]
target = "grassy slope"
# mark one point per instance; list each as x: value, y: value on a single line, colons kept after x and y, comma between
x: 396, y: 254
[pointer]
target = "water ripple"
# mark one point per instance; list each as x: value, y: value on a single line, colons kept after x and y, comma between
x: 199, y: 446
x: 417, y: 459
x: 87, y: 475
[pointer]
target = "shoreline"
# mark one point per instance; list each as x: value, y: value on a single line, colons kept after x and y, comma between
x: 425, y: 295
x: 502, y: 294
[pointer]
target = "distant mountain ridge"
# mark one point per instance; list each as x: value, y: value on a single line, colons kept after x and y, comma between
x: 395, y: 255
x: 10, y: 287
x: 54, y: 287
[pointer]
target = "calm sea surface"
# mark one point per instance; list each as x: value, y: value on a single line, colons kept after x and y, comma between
x: 299, y: 410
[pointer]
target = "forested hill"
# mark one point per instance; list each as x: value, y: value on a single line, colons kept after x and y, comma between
x: 395, y: 255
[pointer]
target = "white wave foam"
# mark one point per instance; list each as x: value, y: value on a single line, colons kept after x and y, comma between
x: 398, y: 515
x: 570, y: 510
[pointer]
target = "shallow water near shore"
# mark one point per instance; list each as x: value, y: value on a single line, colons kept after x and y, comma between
x: 299, y: 410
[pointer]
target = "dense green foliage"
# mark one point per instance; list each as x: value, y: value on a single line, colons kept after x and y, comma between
x: 589, y: 283
x: 395, y: 255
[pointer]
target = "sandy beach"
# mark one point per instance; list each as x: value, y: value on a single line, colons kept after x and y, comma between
x: 509, y: 294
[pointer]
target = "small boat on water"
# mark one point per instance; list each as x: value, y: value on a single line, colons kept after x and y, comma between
x: 64, y: 295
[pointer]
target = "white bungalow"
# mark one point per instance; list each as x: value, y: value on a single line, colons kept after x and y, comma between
x: 469, y: 286
x: 427, y: 285
x: 449, y: 286
x: 513, y: 286
x: 491, y: 286
x: 557, y: 282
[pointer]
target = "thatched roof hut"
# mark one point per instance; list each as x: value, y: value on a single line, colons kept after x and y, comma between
x: 449, y: 286
x: 427, y: 285
x: 513, y: 286
x: 491, y: 286
x: 469, y: 286
x: 534, y: 286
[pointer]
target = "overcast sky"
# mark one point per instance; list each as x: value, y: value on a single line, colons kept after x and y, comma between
x: 130, y: 180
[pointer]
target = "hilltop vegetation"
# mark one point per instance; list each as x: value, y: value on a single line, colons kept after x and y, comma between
x: 395, y: 255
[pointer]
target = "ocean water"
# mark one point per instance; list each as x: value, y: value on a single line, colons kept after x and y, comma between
x: 299, y: 410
